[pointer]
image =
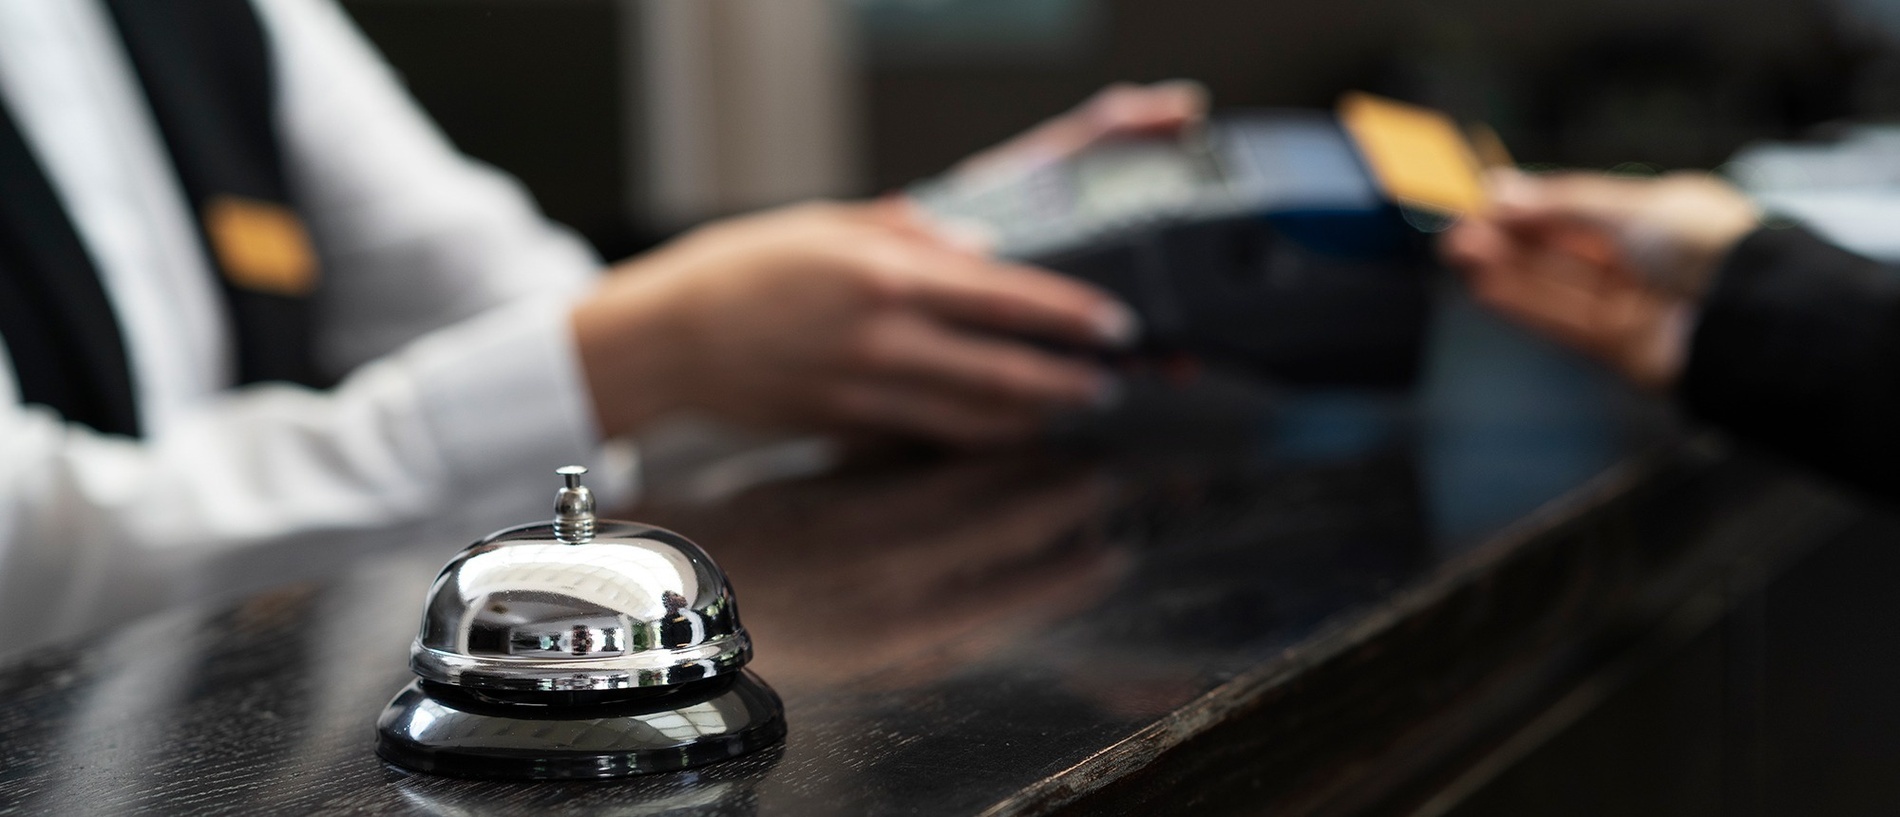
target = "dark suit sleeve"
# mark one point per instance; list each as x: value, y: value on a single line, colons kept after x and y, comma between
x: 1798, y: 349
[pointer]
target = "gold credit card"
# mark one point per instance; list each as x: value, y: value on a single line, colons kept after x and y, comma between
x: 1418, y: 156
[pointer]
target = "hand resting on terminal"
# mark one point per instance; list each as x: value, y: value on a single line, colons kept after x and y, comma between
x: 865, y: 316
x: 835, y: 317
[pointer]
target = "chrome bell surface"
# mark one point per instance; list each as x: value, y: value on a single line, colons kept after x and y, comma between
x: 579, y: 603
x: 578, y: 648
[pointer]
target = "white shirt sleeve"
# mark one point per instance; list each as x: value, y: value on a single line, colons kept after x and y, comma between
x: 446, y: 298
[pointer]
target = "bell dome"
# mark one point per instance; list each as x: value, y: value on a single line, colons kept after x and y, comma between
x: 578, y: 649
x: 579, y: 604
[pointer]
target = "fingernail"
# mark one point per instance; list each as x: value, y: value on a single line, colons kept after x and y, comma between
x: 1117, y: 326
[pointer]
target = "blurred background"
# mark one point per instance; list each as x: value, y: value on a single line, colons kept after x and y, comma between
x: 631, y: 118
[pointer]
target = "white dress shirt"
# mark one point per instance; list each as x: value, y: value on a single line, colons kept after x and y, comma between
x: 444, y: 299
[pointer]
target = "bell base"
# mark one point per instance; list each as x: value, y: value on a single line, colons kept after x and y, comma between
x: 440, y: 729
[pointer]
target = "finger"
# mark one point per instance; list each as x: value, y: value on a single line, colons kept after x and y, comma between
x: 1564, y: 293
x: 962, y: 287
x: 1162, y: 107
x: 1545, y: 290
x: 904, y: 215
x: 1567, y: 299
x: 925, y: 412
x: 1597, y: 251
x: 965, y: 288
x: 916, y: 348
x: 1492, y: 241
x: 1493, y: 262
x: 1475, y: 241
x: 1553, y: 311
x: 1124, y: 109
x: 1592, y: 197
x: 1119, y: 109
x: 1016, y: 299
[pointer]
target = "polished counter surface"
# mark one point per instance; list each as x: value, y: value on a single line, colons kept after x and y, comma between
x: 1322, y: 602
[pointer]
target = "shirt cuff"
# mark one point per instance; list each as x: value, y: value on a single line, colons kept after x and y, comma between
x: 504, y: 395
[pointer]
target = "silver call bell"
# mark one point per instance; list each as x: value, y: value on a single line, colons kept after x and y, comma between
x: 578, y: 648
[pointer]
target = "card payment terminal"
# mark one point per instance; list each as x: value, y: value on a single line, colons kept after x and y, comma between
x: 1265, y: 240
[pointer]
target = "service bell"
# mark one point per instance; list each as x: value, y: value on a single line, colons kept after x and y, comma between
x: 578, y: 648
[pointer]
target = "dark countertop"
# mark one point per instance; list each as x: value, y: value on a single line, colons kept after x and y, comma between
x: 1321, y: 602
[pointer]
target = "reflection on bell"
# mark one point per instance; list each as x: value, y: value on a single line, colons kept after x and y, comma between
x: 578, y: 648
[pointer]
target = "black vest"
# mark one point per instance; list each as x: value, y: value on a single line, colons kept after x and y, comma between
x: 205, y: 68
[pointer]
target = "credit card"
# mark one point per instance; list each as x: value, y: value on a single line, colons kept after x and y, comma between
x: 1418, y: 156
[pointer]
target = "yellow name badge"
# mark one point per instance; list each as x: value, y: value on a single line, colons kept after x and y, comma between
x: 262, y: 246
x: 1418, y: 156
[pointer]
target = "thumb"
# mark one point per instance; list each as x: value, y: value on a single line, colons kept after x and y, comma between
x: 1160, y: 107
x: 1582, y: 215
